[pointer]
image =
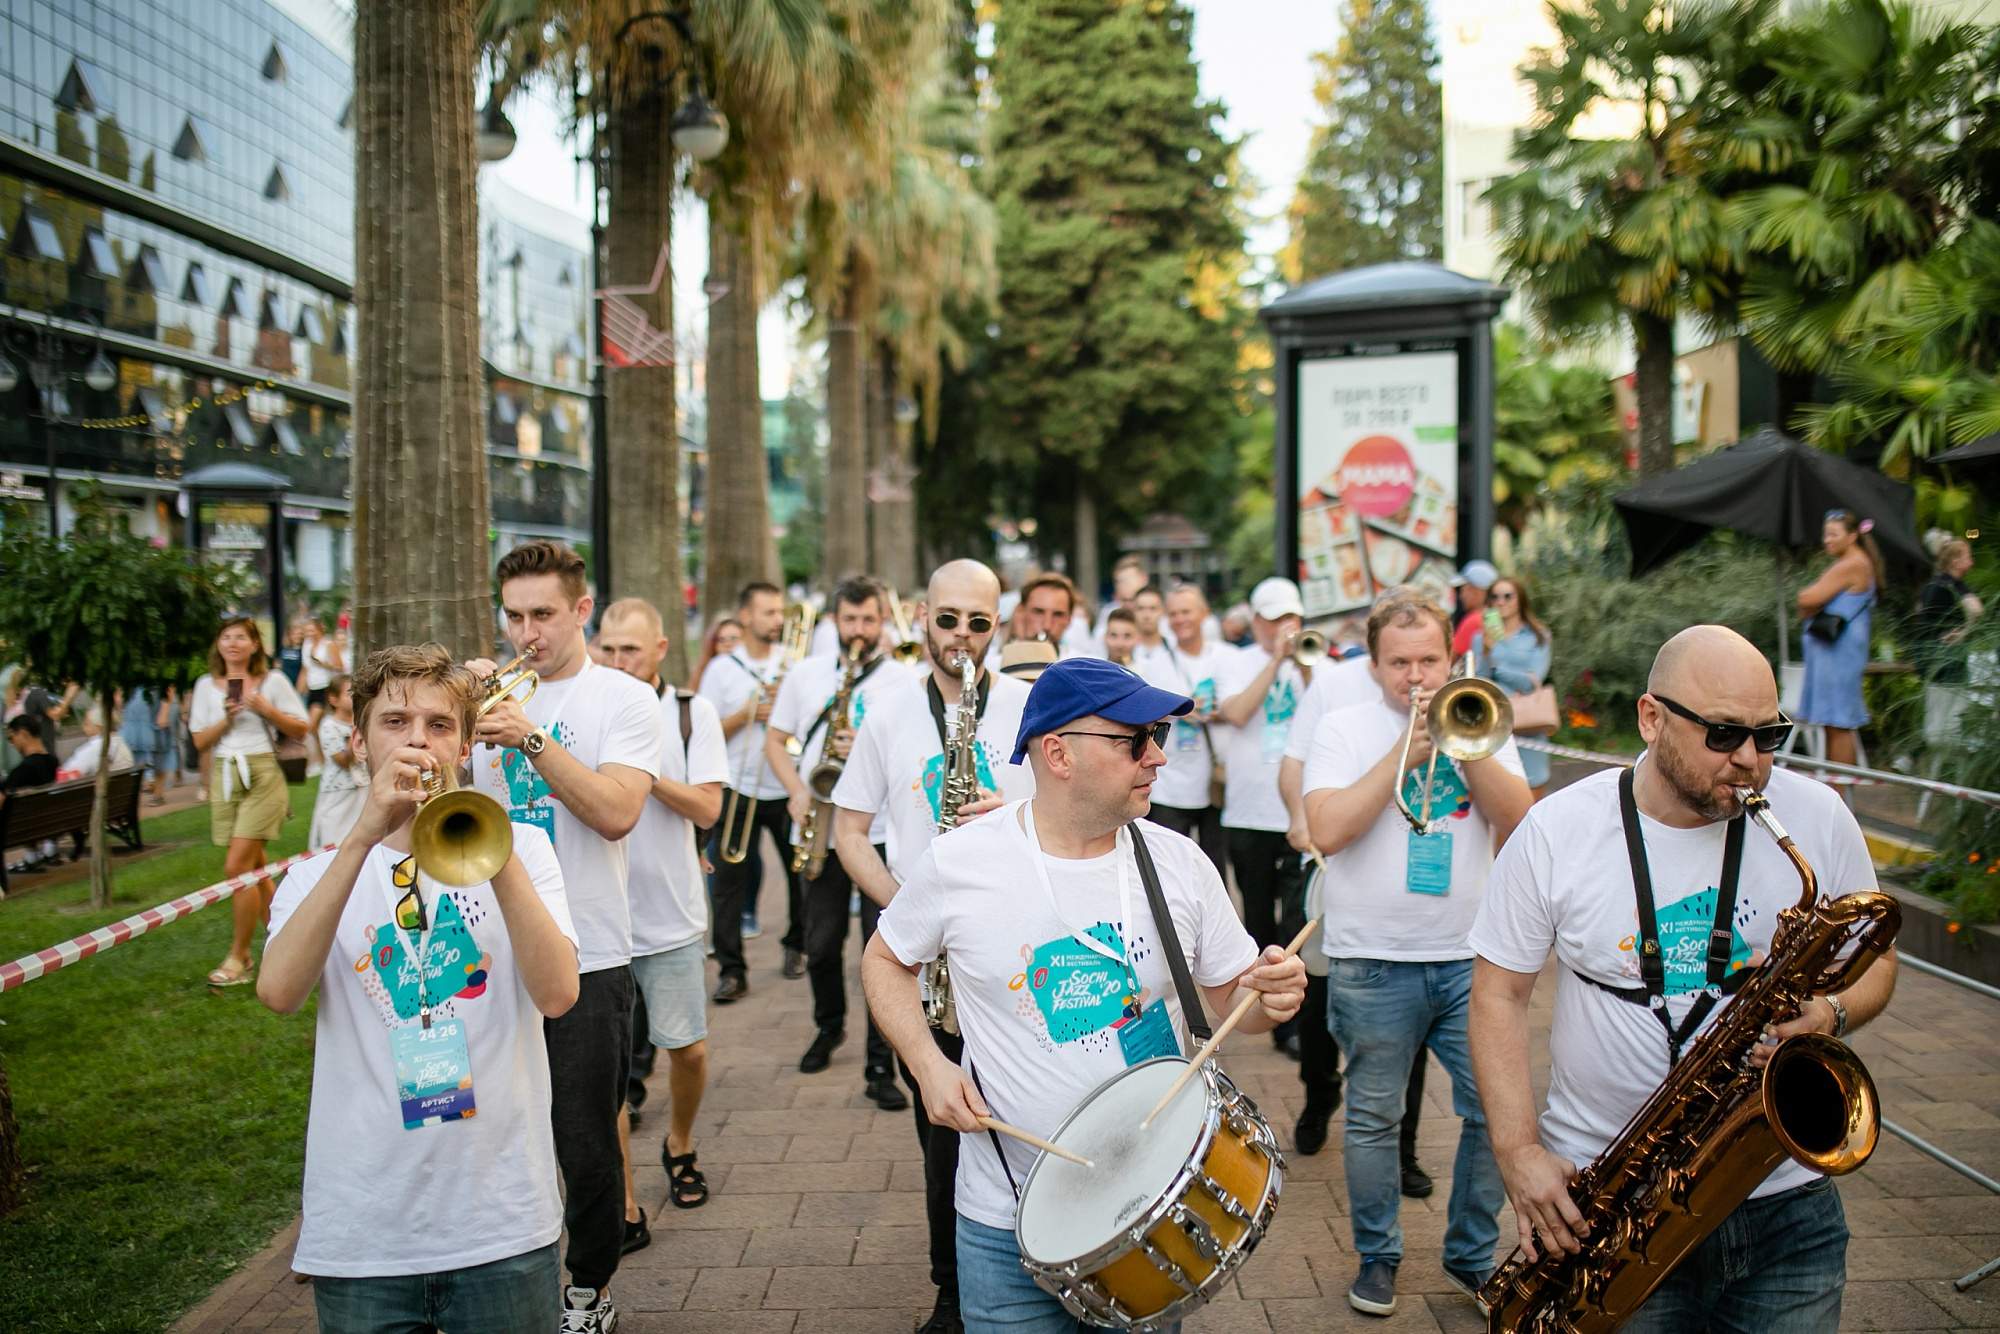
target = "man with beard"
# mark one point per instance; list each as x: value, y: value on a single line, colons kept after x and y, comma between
x: 897, y: 769
x: 1655, y: 871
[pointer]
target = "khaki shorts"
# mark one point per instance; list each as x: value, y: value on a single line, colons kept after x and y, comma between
x: 258, y: 812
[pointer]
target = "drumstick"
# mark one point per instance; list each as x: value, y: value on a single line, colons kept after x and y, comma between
x: 1235, y: 1017
x: 1016, y: 1132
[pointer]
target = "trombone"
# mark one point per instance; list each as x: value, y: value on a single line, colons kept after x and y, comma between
x: 738, y: 806
x: 1468, y: 719
x: 909, y: 649
x: 460, y: 837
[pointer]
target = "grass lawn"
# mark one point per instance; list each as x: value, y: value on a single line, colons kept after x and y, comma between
x: 163, y: 1124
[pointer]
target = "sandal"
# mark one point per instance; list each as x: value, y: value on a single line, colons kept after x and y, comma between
x: 687, y: 1188
x: 230, y: 974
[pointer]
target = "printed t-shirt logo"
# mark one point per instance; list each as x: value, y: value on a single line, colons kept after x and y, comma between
x: 454, y: 964
x: 1078, y: 990
x: 1449, y: 795
x: 932, y: 778
x: 1684, y: 928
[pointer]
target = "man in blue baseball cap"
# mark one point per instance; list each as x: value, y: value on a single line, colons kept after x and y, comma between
x: 1063, y: 968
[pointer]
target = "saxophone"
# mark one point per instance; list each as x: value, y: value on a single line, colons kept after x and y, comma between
x: 961, y: 787
x: 816, y: 832
x: 1717, y: 1127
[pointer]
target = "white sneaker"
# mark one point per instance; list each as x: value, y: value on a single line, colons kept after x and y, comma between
x: 588, y: 1311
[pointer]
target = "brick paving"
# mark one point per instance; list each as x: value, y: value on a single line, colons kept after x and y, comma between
x: 815, y: 1225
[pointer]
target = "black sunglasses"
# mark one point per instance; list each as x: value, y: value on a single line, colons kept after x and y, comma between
x: 1156, y: 733
x: 978, y: 622
x: 1725, y: 737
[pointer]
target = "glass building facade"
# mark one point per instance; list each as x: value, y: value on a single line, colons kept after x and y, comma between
x: 177, y: 197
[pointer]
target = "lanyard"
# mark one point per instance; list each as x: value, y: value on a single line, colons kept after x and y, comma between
x: 418, y: 948
x: 1720, y: 936
x: 936, y: 698
x: 1083, y: 938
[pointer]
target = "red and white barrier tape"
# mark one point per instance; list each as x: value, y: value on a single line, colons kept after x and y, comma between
x: 1844, y: 774
x: 42, y: 962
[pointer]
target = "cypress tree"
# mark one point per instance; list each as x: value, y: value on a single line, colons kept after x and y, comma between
x: 1373, y: 187
x: 1115, y: 358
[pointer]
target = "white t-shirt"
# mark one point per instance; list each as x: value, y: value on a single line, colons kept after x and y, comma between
x: 1371, y: 911
x: 601, y: 716
x: 1144, y: 654
x: 319, y: 669
x: 1183, y: 783
x: 1254, y: 751
x: 1038, y: 1009
x: 381, y: 1200
x: 669, y: 895
x: 249, y: 734
x: 726, y: 683
x: 1335, y: 686
x: 1609, y: 1055
x: 897, y: 765
x: 808, y: 689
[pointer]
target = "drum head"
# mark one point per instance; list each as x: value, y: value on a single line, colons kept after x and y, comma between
x: 1069, y: 1211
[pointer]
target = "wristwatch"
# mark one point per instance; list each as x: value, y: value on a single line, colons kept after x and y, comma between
x: 533, y: 743
x: 1839, y: 1015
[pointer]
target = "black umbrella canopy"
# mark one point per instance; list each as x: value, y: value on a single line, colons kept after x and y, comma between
x: 1985, y: 447
x: 1768, y: 485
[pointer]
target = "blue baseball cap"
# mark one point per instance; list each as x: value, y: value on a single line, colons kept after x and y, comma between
x: 1082, y: 687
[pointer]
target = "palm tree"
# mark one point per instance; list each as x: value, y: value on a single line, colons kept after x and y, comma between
x: 1626, y: 229
x: 420, y: 498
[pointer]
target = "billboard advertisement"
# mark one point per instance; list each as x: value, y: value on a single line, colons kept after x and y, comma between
x: 1378, y: 477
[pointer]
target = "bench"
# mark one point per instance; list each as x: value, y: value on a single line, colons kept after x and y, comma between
x: 36, y: 813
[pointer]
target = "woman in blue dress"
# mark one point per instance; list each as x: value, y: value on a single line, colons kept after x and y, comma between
x: 1515, y: 657
x: 1836, y: 650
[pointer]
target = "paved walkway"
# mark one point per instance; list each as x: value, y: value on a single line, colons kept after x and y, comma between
x: 816, y: 1221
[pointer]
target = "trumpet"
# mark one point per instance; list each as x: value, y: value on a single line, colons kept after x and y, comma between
x: 1468, y: 719
x: 503, y: 683
x: 738, y: 826
x: 1309, y: 649
x: 909, y: 649
x: 460, y: 837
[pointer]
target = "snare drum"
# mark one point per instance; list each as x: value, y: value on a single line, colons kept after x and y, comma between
x: 1168, y: 1213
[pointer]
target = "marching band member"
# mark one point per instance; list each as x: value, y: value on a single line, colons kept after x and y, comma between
x: 1148, y: 607
x: 670, y: 896
x: 1057, y: 880
x: 1571, y: 880
x: 1188, y: 663
x: 578, y: 760
x: 741, y: 685
x: 804, y: 709
x: 417, y: 1212
x: 1398, y: 907
x: 896, y: 770
x: 1121, y: 636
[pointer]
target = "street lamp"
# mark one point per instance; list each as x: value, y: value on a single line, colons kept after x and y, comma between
x: 100, y: 375
x: 699, y: 130
x: 46, y: 371
x: 496, y: 132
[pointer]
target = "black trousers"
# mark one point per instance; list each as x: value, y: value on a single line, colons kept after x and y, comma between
x: 1204, y: 826
x: 826, y: 942
x: 590, y: 1055
x: 940, y: 1145
x: 1272, y: 883
x: 734, y: 885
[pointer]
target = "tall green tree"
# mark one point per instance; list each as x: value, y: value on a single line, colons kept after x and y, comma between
x: 1373, y: 188
x: 1608, y: 226
x: 1118, y: 237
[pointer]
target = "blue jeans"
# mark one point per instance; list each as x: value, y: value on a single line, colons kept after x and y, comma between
x: 1776, y: 1266
x: 1383, y: 1013
x: 997, y: 1296
x: 519, y: 1295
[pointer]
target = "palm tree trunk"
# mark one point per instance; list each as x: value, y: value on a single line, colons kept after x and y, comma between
x: 846, y: 449
x: 422, y: 567
x: 100, y: 854
x: 895, y: 512
x: 643, y: 440
x: 736, y: 524
x: 1653, y: 385
x: 1085, y: 571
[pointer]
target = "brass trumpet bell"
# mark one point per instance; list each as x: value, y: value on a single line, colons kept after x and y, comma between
x: 1469, y: 718
x: 1309, y: 649
x: 460, y: 837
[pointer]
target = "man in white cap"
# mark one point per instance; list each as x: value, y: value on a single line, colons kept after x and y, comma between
x: 1260, y: 689
x: 1471, y: 584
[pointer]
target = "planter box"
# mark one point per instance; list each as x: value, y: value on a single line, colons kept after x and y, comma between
x: 1973, y: 950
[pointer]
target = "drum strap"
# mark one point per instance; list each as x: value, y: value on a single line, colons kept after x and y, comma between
x: 1197, y: 1019
x: 994, y: 1135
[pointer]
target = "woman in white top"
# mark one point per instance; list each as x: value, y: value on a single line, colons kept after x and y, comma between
x: 237, y: 711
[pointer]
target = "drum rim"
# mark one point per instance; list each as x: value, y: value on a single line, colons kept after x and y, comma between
x: 1155, y: 1213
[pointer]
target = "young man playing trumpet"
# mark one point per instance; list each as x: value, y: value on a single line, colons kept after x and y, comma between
x: 419, y: 1213
x: 578, y: 760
